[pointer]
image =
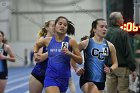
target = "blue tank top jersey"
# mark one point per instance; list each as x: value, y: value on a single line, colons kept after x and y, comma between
x: 3, y: 63
x: 40, y: 67
x: 58, y: 62
x: 96, y: 56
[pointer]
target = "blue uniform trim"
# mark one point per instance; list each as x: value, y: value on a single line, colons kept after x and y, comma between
x: 58, y: 70
x: 3, y: 63
x: 61, y: 83
x: 58, y: 62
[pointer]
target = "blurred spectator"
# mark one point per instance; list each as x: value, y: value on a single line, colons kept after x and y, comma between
x: 84, y: 38
x: 25, y: 57
x: 137, y: 58
x: 31, y: 57
x: 118, y: 80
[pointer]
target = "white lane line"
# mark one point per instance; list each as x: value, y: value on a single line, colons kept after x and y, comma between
x: 15, y: 80
x: 16, y: 87
x: 17, y: 75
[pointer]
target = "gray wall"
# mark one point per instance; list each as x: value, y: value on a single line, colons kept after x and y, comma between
x: 27, y: 17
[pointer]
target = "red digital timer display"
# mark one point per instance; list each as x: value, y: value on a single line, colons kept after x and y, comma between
x: 130, y: 27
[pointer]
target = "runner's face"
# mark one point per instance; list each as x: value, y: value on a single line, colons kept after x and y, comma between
x: 101, y: 28
x: 61, y: 26
x: 51, y: 27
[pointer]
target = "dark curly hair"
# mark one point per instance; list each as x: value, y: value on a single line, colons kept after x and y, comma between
x: 71, y: 29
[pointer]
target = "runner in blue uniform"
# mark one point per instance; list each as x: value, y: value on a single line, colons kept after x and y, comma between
x: 37, y: 77
x: 5, y: 50
x: 61, y: 49
x: 97, y: 52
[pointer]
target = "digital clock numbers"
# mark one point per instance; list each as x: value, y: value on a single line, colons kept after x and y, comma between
x: 130, y: 27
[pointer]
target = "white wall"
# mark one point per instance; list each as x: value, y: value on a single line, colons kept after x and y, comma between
x: 28, y: 19
x: 18, y: 49
x: 4, y: 17
x: 28, y: 16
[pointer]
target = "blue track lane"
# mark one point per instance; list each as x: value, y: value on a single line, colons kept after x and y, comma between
x: 18, y: 80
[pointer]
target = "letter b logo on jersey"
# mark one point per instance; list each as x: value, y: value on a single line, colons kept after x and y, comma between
x: 64, y: 45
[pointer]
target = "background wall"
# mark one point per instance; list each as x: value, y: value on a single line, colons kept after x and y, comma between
x: 21, y: 20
